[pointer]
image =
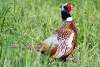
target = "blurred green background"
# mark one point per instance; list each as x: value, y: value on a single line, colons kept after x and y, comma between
x: 24, y: 22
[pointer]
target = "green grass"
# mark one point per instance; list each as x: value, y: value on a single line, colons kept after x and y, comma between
x: 26, y: 22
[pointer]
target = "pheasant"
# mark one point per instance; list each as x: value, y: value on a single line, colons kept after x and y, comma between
x: 63, y: 41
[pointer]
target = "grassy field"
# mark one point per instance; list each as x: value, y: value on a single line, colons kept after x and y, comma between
x: 24, y: 22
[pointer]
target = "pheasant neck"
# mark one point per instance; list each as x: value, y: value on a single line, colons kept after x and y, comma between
x: 69, y: 19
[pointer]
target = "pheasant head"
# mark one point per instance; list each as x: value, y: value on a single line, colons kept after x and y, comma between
x: 65, y: 11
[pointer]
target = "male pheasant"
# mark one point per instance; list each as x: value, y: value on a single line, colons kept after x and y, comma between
x: 63, y: 41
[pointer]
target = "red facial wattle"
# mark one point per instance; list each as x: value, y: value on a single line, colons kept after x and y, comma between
x: 69, y: 7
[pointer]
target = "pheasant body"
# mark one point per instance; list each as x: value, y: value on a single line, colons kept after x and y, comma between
x: 62, y: 39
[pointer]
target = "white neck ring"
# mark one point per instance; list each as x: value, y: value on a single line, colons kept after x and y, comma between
x: 69, y: 19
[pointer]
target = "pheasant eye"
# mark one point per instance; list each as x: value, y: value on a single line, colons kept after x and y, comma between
x: 65, y: 8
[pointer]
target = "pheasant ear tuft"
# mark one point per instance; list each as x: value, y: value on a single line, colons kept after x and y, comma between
x: 69, y: 7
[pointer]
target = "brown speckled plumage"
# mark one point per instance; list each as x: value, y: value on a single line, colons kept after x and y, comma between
x: 63, y: 33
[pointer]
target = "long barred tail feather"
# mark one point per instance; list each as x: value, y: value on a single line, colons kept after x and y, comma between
x: 41, y: 47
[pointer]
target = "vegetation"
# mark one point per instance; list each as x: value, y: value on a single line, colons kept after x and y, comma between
x: 25, y: 22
